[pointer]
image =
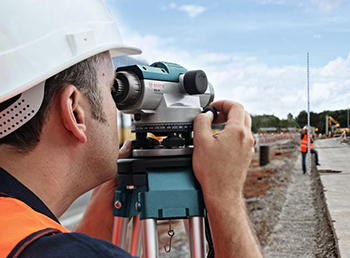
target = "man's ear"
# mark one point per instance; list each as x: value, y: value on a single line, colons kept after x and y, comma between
x: 72, y: 112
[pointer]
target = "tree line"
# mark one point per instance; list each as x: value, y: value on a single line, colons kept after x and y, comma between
x: 317, y: 120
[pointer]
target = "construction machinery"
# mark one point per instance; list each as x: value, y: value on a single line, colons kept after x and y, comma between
x: 334, y: 127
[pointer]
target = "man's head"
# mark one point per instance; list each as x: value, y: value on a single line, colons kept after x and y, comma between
x: 83, y: 76
x: 61, y: 50
x: 75, y: 131
x: 69, y: 142
x: 38, y: 45
x: 305, y: 128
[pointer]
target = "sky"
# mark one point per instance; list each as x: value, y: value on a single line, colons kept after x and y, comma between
x: 253, y: 51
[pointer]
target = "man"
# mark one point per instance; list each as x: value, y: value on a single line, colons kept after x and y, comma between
x: 59, y: 138
x: 303, y: 148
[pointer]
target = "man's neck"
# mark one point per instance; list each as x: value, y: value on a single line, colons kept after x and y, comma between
x: 51, y: 182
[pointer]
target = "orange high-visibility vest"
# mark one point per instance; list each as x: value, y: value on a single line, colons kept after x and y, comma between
x: 20, y: 225
x: 303, y: 144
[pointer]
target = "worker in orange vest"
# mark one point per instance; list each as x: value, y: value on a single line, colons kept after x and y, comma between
x: 303, y: 148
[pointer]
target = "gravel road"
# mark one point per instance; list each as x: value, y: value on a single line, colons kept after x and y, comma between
x: 294, y: 234
x: 303, y: 229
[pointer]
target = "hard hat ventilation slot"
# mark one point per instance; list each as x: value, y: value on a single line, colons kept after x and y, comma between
x: 20, y: 109
x: 8, y: 103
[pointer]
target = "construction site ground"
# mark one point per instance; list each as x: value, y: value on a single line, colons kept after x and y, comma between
x: 293, y: 214
x: 287, y: 208
x: 335, y: 175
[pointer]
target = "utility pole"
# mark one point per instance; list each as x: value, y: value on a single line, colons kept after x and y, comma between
x: 308, y: 119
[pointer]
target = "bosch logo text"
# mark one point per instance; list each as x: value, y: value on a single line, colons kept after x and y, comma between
x: 158, y: 86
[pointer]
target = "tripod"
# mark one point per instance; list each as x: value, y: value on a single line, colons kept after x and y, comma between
x: 158, y: 184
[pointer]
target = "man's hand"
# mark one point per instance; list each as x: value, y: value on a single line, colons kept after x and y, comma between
x: 220, y: 163
x: 98, y: 218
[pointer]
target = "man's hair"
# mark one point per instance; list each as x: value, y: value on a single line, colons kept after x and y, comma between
x: 83, y: 76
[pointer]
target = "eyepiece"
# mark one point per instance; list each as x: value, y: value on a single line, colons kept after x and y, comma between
x: 119, y: 92
x: 127, y: 89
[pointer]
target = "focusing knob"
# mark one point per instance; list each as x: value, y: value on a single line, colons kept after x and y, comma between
x: 195, y: 82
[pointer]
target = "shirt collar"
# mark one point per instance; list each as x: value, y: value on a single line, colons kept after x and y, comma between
x: 11, y: 186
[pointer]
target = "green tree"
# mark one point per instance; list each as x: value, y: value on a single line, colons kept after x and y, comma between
x: 301, y: 119
x: 318, y: 120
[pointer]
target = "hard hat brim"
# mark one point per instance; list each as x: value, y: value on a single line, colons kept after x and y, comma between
x: 125, y: 50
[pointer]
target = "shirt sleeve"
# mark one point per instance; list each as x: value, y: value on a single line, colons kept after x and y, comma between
x: 71, y: 245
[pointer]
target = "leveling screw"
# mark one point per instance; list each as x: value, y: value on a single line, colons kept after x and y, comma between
x: 137, y: 206
x: 117, y: 205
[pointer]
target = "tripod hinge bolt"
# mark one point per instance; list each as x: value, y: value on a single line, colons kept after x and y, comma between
x: 118, y: 204
x: 137, y: 206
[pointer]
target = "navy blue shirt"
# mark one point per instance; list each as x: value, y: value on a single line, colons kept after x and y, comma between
x: 59, y: 245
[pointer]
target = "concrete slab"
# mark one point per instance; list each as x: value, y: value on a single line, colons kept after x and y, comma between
x: 334, y: 155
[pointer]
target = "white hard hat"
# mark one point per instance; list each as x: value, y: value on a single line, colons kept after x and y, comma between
x: 39, y: 39
x: 305, y: 127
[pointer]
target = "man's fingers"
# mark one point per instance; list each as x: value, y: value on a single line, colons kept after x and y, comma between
x: 232, y: 111
x: 224, y: 105
x: 125, y: 150
x: 202, y: 126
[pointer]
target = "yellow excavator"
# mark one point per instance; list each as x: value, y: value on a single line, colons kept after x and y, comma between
x: 336, y: 130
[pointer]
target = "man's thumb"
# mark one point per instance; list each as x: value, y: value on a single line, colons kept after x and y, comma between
x: 125, y: 150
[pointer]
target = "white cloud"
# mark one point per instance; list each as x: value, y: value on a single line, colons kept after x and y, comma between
x: 317, y: 36
x: 259, y: 87
x: 191, y: 10
x: 327, y: 5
